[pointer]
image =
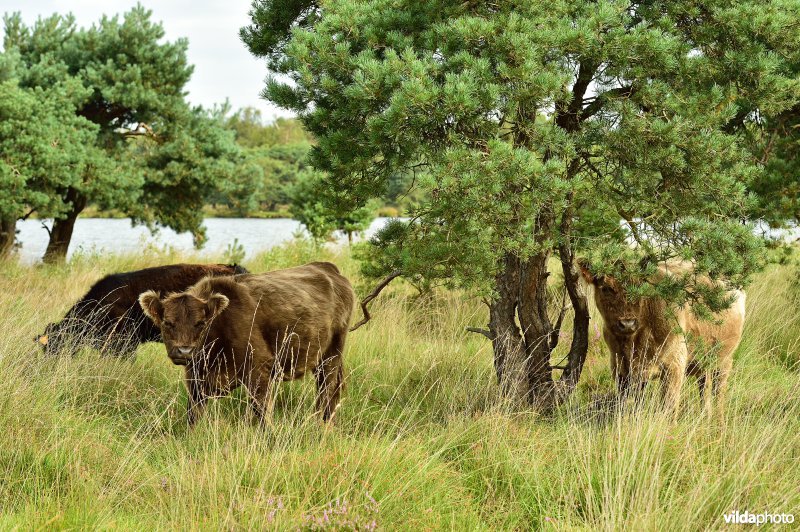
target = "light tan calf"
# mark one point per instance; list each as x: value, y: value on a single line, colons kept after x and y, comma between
x: 646, y: 340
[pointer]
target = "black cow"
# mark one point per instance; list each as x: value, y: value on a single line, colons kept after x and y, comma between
x: 109, y: 318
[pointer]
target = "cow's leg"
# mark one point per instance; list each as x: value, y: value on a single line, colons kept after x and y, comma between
x: 258, y: 381
x: 720, y: 383
x: 620, y: 374
x: 695, y: 369
x: 262, y: 400
x: 197, y: 399
x: 330, y: 377
x: 673, y: 375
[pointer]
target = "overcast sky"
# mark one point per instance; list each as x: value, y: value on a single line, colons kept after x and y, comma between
x: 223, y: 67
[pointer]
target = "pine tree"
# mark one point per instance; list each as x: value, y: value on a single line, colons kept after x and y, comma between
x: 44, y: 148
x: 153, y: 156
x: 540, y: 127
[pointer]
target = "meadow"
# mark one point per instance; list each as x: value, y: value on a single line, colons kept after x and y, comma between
x: 422, y: 440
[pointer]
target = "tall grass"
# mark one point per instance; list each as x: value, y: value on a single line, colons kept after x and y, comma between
x: 421, y: 440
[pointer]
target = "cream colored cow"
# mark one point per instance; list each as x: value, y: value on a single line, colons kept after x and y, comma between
x: 646, y: 340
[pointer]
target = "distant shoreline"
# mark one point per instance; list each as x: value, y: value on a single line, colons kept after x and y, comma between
x: 216, y: 212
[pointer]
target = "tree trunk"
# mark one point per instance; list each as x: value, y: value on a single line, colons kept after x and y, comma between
x: 509, y: 352
x: 536, y: 328
x: 522, y: 356
x: 61, y: 233
x: 523, y: 337
x: 580, y: 303
x: 8, y: 235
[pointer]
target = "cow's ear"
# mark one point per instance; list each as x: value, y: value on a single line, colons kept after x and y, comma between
x: 152, y: 307
x: 216, y: 303
x: 583, y: 264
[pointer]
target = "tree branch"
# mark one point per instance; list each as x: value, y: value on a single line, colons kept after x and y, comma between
x: 580, y: 334
x: 372, y: 295
x: 554, y: 334
x: 601, y: 99
x: 486, y: 332
x: 141, y: 130
x: 28, y: 214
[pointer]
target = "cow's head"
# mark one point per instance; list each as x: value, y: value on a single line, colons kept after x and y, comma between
x: 59, y: 338
x: 47, y: 340
x: 620, y: 312
x: 183, y: 320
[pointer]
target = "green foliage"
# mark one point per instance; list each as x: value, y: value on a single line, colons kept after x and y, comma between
x: 129, y: 77
x: 273, y: 153
x: 234, y: 253
x: 541, y: 125
x: 44, y: 146
x: 188, y: 164
x: 252, y: 132
x: 309, y: 207
x: 115, y: 94
x: 778, y: 187
x: 272, y: 25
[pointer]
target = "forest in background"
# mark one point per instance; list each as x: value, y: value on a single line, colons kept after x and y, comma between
x: 95, y: 121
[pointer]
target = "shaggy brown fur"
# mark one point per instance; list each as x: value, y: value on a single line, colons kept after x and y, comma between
x: 109, y: 317
x: 646, y: 340
x: 251, y: 330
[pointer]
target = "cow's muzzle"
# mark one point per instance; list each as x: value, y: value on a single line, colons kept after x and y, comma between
x: 627, y: 325
x: 181, y: 355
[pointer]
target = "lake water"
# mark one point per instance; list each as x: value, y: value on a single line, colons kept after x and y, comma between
x: 119, y: 236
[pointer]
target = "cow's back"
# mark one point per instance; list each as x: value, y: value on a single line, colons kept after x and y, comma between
x: 725, y: 329
x: 723, y: 333
x: 312, y: 291
x: 299, y: 311
x: 111, y: 304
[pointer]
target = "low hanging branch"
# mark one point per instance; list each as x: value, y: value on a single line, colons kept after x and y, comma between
x: 486, y: 332
x: 372, y: 295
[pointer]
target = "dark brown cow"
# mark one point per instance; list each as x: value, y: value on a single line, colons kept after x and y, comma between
x: 252, y: 330
x: 109, y: 317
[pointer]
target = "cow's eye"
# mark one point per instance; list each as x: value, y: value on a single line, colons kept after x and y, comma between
x: 200, y: 324
x: 168, y: 324
x: 608, y: 290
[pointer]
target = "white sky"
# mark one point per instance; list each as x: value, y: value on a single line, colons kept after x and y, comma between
x: 223, y: 67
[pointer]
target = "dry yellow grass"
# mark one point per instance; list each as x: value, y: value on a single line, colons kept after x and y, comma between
x: 421, y: 441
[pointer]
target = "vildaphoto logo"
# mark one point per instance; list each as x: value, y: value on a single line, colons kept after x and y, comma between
x: 747, y: 518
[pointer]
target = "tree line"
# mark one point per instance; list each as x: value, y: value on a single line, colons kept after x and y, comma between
x: 98, y: 116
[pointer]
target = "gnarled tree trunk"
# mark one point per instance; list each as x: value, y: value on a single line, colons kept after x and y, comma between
x: 579, y: 301
x: 536, y: 328
x: 509, y: 351
x: 61, y: 233
x: 8, y: 234
x: 522, y: 333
